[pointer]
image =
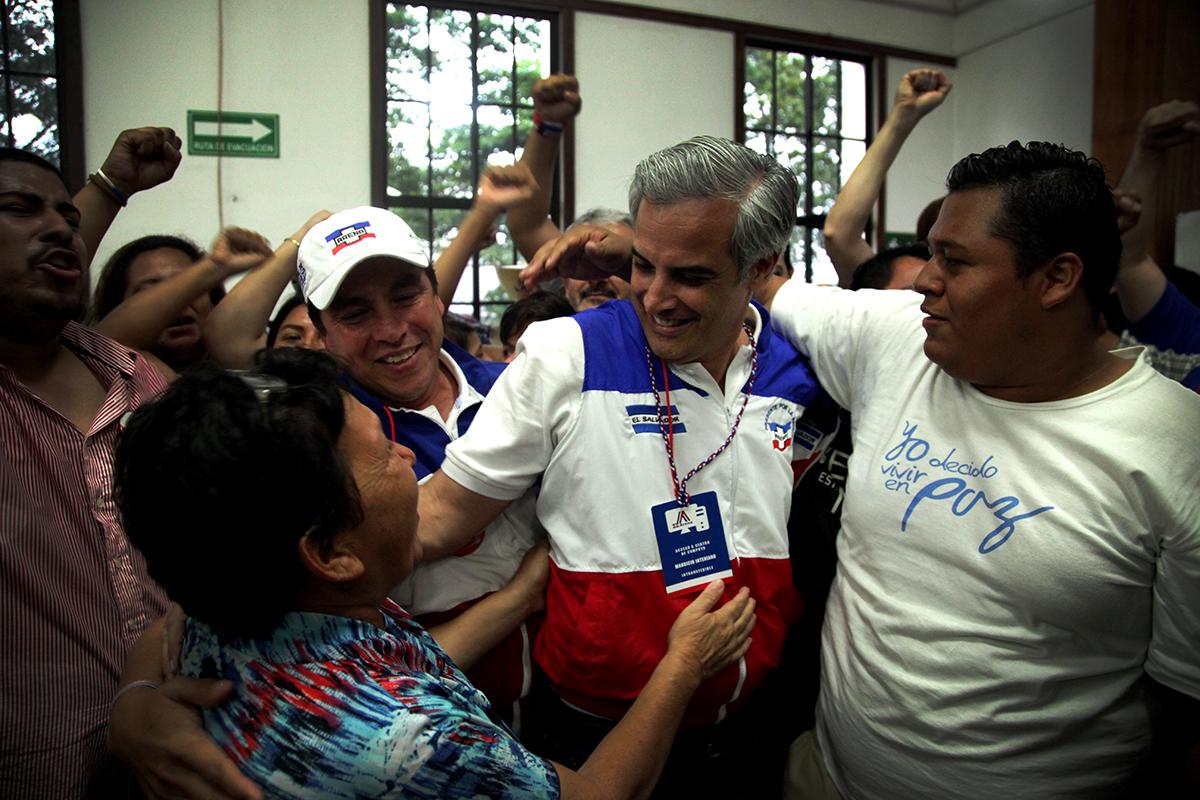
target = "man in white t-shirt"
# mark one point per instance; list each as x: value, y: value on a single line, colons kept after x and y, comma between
x: 1019, y: 560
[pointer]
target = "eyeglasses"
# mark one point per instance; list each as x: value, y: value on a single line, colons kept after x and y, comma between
x: 262, y: 385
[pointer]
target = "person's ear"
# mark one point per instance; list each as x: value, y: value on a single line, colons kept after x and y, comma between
x: 1061, y: 277
x: 761, y: 270
x: 330, y: 560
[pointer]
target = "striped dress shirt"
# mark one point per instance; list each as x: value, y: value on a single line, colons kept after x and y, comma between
x: 74, y: 595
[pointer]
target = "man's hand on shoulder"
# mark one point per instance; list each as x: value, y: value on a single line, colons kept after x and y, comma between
x: 585, y: 252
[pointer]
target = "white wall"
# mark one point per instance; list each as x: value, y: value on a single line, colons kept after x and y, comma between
x: 646, y: 86
x: 919, y: 172
x: 146, y: 62
x: 1024, y: 72
x: 1034, y: 84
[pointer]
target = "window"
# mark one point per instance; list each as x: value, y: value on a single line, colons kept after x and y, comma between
x: 30, y: 110
x: 458, y: 83
x: 810, y: 112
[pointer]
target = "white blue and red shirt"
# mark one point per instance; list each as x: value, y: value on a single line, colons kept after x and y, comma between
x: 576, y: 409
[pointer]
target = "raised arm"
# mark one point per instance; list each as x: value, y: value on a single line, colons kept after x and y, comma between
x: 920, y: 91
x: 556, y: 102
x: 500, y: 188
x: 236, y: 328
x: 140, y: 158
x: 141, y: 318
x: 1140, y: 281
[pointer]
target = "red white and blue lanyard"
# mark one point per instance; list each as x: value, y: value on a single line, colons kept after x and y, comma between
x: 666, y: 422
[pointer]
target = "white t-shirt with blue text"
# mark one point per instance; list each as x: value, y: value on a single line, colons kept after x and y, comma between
x: 1007, y: 571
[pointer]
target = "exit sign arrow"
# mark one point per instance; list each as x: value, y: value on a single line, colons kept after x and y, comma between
x: 233, y: 133
x: 252, y: 130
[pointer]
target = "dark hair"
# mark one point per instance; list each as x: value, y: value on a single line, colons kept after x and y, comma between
x: 535, y: 308
x: 927, y: 217
x: 1055, y: 201
x: 219, y: 479
x: 114, y: 278
x: 877, y: 271
x: 26, y: 157
x: 276, y: 322
x: 458, y: 329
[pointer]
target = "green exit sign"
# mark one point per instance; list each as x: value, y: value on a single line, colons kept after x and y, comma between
x: 232, y: 133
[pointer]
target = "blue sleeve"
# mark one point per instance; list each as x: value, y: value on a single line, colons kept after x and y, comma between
x: 1172, y: 324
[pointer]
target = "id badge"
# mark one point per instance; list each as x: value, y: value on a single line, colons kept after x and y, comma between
x: 691, y: 542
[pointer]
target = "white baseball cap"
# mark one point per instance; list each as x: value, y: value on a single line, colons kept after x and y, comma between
x: 335, y: 246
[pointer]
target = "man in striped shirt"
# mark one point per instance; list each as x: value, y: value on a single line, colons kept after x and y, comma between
x: 74, y: 595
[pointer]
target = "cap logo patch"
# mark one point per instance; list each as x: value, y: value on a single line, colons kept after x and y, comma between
x: 351, y: 234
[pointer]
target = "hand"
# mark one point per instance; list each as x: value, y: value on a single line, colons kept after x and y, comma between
x: 920, y: 91
x: 159, y: 735
x: 585, y: 252
x: 1169, y: 125
x: 1129, y: 208
x: 531, y: 577
x: 142, y: 158
x: 557, y: 98
x: 712, y: 640
x: 238, y: 249
x: 504, y: 187
x: 320, y: 216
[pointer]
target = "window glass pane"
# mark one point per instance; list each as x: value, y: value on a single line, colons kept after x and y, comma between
x: 450, y: 140
x: 852, y: 153
x: 30, y: 35
x: 826, y: 182
x: 822, y: 267
x: 450, y: 42
x: 758, y: 142
x: 790, y: 151
x: 854, y: 100
x: 458, y: 82
x: 825, y: 95
x: 790, y: 75
x: 35, y: 116
x: 495, y: 59
x: 497, y: 137
x: 408, y: 155
x: 757, y: 93
x: 796, y: 249
x: 503, y: 252
x: 533, y: 55
x: 418, y: 220
x: 407, y: 53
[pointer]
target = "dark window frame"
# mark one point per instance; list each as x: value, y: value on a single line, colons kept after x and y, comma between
x: 561, y: 206
x: 68, y: 76
x: 810, y: 220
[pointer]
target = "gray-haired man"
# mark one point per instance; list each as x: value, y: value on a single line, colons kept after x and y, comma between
x: 667, y: 431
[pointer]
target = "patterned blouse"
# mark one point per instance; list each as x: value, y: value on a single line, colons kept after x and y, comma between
x: 335, y: 707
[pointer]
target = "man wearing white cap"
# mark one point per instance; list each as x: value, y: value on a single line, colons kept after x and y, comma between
x: 372, y: 296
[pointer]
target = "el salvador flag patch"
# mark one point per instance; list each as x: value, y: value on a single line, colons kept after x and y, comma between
x: 644, y: 419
